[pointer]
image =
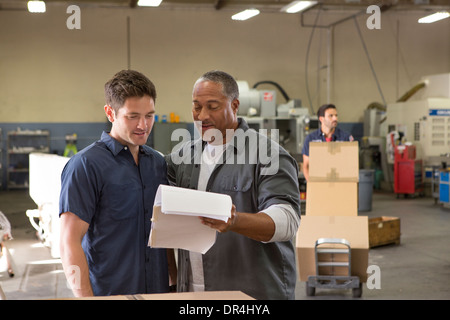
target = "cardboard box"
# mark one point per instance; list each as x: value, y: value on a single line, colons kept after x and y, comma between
x: 204, y: 295
x: 114, y: 297
x: 384, y: 230
x: 333, y: 161
x: 332, y: 199
x: 353, y: 229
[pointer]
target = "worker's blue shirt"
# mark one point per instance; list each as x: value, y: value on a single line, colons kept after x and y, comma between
x: 105, y: 188
x: 318, y: 136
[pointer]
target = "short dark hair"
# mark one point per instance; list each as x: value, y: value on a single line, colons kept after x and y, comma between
x: 126, y: 84
x: 323, y: 108
x: 229, y: 85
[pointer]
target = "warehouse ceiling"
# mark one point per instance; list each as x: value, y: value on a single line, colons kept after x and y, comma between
x: 262, y: 5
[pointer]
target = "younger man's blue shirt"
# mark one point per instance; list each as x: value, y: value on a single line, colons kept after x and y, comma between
x: 318, y: 136
x: 105, y: 188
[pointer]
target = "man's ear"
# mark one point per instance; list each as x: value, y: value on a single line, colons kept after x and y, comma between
x: 321, y: 119
x: 109, y: 113
x: 235, y: 105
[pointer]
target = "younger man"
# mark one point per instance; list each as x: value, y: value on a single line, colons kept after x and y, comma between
x: 107, y: 195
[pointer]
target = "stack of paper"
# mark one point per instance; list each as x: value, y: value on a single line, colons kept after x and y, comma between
x: 176, y: 223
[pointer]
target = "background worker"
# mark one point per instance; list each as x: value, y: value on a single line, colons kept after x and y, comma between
x: 253, y: 252
x: 107, y: 195
x: 327, y: 132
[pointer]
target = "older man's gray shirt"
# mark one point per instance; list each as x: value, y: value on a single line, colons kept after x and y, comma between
x: 235, y: 262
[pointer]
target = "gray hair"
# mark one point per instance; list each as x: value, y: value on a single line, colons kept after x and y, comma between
x: 229, y: 85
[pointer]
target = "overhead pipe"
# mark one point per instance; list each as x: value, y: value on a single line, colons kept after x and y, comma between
x: 285, y: 95
x: 411, y: 92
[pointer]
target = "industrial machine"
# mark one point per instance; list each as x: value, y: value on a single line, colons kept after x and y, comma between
x: 425, y: 121
x: 421, y: 117
x: 293, y: 122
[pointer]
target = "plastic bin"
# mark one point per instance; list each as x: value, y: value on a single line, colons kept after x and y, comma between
x: 365, y: 189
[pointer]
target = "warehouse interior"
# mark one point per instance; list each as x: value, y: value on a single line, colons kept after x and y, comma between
x: 387, y: 74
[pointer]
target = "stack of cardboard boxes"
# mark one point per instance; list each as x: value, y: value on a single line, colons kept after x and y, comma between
x: 332, y: 208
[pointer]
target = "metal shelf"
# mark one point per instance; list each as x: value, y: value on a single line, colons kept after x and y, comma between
x: 20, y: 144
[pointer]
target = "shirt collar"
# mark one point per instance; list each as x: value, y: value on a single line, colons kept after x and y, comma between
x: 242, y: 124
x: 115, y: 146
x: 333, y: 136
x: 112, y: 144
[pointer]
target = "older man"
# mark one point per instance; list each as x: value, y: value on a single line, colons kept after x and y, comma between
x: 253, y: 251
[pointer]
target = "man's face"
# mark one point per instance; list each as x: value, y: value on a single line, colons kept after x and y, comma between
x: 330, y: 118
x: 213, y: 109
x: 132, y: 123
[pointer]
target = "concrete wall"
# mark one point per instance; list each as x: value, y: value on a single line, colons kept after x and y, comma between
x: 49, y: 73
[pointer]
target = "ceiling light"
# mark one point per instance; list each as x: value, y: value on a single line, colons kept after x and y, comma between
x: 297, y: 6
x: 246, y: 14
x: 36, y: 6
x: 434, y: 17
x: 149, y: 3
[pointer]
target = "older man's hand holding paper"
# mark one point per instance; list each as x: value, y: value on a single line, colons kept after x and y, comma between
x: 176, y: 223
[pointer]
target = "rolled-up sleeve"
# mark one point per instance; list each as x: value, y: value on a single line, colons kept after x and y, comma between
x: 279, y: 197
x: 286, y: 221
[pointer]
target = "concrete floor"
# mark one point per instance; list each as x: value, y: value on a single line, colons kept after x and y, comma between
x: 417, y: 268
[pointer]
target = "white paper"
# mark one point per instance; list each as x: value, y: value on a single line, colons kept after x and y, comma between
x: 182, y: 201
x: 176, y: 223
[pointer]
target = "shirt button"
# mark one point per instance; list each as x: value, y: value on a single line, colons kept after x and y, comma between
x: 126, y: 148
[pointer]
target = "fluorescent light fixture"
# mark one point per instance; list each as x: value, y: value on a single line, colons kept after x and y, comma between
x: 434, y: 17
x: 36, y: 6
x: 149, y: 3
x: 297, y: 6
x: 246, y: 14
